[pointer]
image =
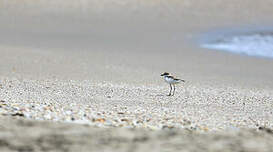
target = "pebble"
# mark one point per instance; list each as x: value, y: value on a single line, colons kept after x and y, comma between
x: 18, y: 114
x: 47, y: 117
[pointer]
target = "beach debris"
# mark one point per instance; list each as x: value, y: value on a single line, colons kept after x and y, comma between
x: 167, y: 127
x: 268, y: 130
x: 124, y: 119
x: 18, y: 114
x: 186, y: 122
x: 2, y: 103
x: 101, y: 120
x: 204, y: 128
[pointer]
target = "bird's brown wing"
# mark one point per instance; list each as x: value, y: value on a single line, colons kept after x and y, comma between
x: 170, y: 77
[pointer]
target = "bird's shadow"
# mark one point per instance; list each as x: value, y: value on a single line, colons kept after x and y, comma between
x: 163, y: 95
x: 160, y: 95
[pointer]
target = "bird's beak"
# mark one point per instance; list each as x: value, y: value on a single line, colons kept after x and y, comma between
x: 161, y: 75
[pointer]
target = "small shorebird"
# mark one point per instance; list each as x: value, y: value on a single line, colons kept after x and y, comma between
x: 172, y: 81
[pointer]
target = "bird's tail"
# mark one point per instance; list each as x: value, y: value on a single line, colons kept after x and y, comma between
x: 182, y: 80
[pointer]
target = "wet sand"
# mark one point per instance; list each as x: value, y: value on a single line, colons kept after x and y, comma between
x: 98, y: 63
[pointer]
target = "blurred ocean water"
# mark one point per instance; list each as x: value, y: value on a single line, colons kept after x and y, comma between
x: 256, y: 44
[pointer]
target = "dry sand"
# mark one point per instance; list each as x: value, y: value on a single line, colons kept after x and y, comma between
x: 98, y: 63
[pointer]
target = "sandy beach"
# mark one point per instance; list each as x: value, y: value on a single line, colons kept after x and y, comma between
x: 93, y: 68
x: 22, y: 135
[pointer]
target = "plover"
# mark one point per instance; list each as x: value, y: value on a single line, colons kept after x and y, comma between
x: 172, y: 81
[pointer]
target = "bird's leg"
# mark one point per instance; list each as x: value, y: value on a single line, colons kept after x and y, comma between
x: 173, y: 89
x: 170, y: 90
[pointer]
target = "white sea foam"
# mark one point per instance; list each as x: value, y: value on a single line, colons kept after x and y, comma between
x: 260, y: 44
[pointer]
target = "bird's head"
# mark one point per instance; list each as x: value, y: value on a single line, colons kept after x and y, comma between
x: 165, y: 74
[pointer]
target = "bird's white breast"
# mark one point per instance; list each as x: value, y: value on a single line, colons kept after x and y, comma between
x: 171, y: 80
